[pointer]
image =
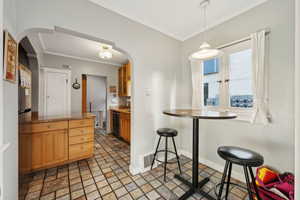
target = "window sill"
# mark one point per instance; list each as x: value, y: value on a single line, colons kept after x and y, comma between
x: 242, y: 115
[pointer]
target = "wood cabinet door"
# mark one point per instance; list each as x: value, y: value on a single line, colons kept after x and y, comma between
x: 37, y: 150
x: 61, y: 147
x: 48, y: 148
x: 125, y: 126
x: 120, y: 81
x: 55, y: 147
x: 25, y: 153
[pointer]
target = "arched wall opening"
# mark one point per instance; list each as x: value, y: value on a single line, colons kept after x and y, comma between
x: 133, y: 142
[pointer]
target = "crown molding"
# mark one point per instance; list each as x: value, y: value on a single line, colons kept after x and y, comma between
x: 223, y: 20
x: 81, y: 58
x: 177, y: 36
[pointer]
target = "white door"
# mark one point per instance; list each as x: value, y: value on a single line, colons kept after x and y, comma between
x: 56, y: 93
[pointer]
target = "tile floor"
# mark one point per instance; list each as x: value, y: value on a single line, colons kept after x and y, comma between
x: 106, y: 176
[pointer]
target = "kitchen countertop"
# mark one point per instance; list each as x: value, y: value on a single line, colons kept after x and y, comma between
x: 121, y: 109
x: 35, y: 118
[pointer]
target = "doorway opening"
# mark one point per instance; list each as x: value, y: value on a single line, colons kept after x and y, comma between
x: 94, y: 99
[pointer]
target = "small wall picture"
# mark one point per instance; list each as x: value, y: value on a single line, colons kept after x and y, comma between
x: 10, y: 58
x: 112, y: 89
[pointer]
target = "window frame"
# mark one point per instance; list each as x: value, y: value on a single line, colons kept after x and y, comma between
x: 244, y: 114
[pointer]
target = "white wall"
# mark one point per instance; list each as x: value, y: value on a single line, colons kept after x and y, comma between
x: 10, y: 94
x: 1, y: 99
x: 297, y: 100
x: 155, y: 58
x: 275, y: 141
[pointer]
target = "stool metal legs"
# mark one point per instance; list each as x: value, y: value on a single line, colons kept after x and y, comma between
x: 246, y: 169
x: 228, y: 180
x: 178, y: 162
x: 166, y: 158
x: 223, y: 180
x: 254, y: 183
x: 155, y: 152
x: 248, y: 183
x: 166, y: 151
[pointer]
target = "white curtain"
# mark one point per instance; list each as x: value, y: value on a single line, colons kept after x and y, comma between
x: 197, y: 79
x: 260, y: 78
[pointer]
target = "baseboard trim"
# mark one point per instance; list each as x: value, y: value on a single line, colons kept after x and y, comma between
x: 214, y: 165
x: 239, y: 176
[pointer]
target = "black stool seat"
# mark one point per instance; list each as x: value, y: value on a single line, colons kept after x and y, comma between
x: 241, y: 156
x: 167, y: 132
x: 245, y: 158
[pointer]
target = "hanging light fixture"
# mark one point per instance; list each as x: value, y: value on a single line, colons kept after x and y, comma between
x: 206, y: 51
x: 105, y: 52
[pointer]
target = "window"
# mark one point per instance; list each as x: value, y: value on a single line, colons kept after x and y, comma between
x: 227, y: 81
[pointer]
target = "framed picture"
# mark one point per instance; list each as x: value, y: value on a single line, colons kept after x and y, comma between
x: 10, y: 58
x: 112, y: 89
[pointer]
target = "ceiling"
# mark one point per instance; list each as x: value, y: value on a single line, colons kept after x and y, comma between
x: 180, y: 19
x: 61, y: 44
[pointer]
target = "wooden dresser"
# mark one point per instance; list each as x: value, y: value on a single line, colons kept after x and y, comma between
x: 46, y: 142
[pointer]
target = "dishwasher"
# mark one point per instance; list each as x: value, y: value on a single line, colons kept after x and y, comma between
x: 116, y: 123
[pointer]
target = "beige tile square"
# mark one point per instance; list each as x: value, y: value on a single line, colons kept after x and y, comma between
x: 153, y: 195
x: 110, y: 196
x: 126, y: 180
x: 93, y: 195
x: 146, y: 188
x: 121, y: 191
x: 62, y: 192
x: 105, y: 190
x: 136, y: 193
x: 102, y: 184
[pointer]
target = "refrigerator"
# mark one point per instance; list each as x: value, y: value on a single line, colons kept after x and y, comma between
x: 24, y: 88
x: 24, y: 111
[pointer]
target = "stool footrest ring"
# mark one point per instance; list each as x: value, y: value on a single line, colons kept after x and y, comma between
x: 168, y: 162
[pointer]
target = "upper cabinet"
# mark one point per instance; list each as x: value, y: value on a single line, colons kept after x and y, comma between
x: 125, y: 80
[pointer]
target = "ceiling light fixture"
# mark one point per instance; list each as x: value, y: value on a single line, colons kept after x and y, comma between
x: 206, y: 51
x: 105, y: 52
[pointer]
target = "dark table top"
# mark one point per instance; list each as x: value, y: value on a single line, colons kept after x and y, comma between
x: 199, y: 114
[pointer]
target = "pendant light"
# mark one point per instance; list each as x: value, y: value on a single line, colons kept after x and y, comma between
x: 206, y: 51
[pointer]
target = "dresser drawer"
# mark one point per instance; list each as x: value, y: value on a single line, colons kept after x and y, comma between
x: 49, y: 126
x: 81, y: 123
x: 81, y: 150
x: 81, y: 139
x: 81, y: 131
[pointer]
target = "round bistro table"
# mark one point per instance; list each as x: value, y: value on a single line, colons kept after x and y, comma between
x: 196, y: 186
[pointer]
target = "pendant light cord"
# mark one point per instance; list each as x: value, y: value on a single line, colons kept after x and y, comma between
x: 204, y: 7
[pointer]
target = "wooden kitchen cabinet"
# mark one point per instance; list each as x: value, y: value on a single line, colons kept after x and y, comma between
x: 125, y: 80
x: 49, y: 148
x: 125, y: 126
x: 46, y: 143
x: 37, y: 151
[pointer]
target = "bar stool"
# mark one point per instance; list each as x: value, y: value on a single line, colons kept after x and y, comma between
x: 242, y: 157
x: 167, y: 133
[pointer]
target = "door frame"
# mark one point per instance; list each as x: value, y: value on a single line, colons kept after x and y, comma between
x: 55, y: 70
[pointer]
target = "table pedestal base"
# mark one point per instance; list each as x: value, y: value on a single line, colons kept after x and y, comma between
x: 193, y: 190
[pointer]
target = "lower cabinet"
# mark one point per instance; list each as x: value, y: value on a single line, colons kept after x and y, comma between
x: 125, y: 126
x: 77, y: 151
x: 49, y: 144
x: 49, y: 148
